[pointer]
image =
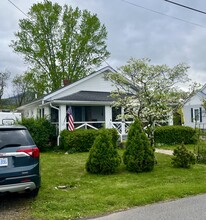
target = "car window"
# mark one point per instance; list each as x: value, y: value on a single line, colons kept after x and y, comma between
x: 16, y: 137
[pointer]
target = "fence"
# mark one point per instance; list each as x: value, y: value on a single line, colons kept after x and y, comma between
x: 122, y: 127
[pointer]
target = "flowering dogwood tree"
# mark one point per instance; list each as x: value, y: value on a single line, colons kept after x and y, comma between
x: 147, y: 91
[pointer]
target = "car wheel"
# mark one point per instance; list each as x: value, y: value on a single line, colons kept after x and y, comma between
x: 33, y: 193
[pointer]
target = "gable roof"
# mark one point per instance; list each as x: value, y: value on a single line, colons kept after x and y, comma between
x: 49, y: 97
x: 105, y: 69
x: 203, y: 88
x: 200, y: 93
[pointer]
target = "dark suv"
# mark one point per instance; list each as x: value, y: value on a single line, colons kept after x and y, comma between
x: 19, y: 161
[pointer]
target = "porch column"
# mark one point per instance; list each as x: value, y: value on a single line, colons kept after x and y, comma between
x: 108, y: 117
x: 123, y: 121
x: 62, y: 117
x: 170, y: 118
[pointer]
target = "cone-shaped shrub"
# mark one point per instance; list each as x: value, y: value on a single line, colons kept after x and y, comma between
x: 139, y: 154
x: 103, y: 156
x: 182, y: 157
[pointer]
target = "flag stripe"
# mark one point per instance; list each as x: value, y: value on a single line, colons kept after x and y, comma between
x: 71, y: 123
x: 70, y: 119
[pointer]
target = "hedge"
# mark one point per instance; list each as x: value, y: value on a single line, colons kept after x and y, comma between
x: 82, y: 140
x: 175, y: 135
x: 42, y: 132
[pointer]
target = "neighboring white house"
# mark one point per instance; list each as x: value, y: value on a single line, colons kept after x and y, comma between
x: 193, y: 111
x: 90, y: 101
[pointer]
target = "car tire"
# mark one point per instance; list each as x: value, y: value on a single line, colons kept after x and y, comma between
x: 33, y: 193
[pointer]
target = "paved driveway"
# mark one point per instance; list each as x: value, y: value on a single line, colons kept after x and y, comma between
x: 190, y: 208
x: 15, y: 207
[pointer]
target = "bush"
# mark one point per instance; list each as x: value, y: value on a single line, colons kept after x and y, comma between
x: 103, y: 156
x: 42, y: 132
x: 177, y: 119
x: 139, y: 155
x: 78, y: 140
x: 182, y: 157
x: 175, y: 135
x: 115, y: 136
x: 200, y: 151
x: 82, y: 140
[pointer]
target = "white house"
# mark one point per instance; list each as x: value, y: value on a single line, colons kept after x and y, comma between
x: 89, y: 99
x: 193, y: 111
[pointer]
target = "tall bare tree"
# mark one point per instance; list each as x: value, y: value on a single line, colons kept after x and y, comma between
x: 21, y: 89
x: 4, y: 76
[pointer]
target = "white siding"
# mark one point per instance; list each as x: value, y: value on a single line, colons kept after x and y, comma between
x: 30, y: 112
x: 97, y: 83
x: 194, y: 100
x: 47, y: 113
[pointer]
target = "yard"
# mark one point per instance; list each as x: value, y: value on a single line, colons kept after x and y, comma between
x: 69, y: 192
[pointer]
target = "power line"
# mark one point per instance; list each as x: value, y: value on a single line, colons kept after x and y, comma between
x: 160, y: 13
x: 184, y: 6
x: 19, y: 9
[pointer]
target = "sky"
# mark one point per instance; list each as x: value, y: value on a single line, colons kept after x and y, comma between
x: 155, y: 29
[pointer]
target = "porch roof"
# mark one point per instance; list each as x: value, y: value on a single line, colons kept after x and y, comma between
x: 89, y: 96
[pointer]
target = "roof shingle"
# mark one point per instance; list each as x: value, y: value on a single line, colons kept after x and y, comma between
x: 89, y: 96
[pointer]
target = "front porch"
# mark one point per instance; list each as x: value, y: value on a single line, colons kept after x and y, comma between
x: 90, y: 117
x: 122, y: 127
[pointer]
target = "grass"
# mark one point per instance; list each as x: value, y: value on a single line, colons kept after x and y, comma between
x: 92, y: 195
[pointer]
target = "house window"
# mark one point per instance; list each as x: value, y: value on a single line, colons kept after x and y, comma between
x: 115, y: 113
x: 40, y: 112
x: 54, y: 115
x: 77, y: 113
x: 196, y: 114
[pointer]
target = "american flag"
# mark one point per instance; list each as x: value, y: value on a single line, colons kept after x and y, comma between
x: 70, y: 119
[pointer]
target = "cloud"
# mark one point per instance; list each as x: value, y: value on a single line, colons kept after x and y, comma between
x: 133, y: 31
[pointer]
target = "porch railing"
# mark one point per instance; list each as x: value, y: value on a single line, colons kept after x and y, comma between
x: 89, y: 124
x: 122, y: 127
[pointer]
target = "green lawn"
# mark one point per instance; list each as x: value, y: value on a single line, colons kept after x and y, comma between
x: 93, y: 195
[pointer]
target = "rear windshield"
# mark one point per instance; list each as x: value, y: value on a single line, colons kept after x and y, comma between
x: 16, y: 137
